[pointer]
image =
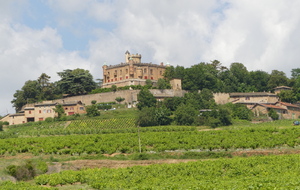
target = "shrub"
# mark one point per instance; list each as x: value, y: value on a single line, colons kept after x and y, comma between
x: 49, y: 119
x: 23, y: 172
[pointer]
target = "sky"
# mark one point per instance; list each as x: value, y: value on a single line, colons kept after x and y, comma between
x: 49, y: 36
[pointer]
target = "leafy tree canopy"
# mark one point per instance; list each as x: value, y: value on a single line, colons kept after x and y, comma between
x: 145, y: 99
x: 76, y: 82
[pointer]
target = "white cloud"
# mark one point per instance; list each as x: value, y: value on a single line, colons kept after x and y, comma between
x: 26, y: 53
x: 261, y: 35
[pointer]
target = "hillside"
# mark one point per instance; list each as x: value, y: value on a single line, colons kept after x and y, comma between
x: 110, y: 152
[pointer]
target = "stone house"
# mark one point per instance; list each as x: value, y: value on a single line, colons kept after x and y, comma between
x: 283, y: 109
x: 41, y: 111
x: 252, y: 98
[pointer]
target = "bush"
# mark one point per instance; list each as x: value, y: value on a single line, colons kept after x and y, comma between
x: 23, y: 172
x: 273, y: 114
x: 49, y: 119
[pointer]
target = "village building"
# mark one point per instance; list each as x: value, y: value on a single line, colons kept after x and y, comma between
x: 132, y: 72
x: 252, y: 98
x: 284, y: 110
x: 279, y: 89
x: 41, y: 111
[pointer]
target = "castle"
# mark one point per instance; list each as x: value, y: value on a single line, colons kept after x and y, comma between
x: 132, y: 72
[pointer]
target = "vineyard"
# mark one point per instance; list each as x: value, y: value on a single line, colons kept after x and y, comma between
x: 90, y: 137
x: 268, y: 172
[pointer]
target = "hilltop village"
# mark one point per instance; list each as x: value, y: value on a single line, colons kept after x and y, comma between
x: 134, y: 72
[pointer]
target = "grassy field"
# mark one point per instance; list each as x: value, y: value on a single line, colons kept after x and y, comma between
x: 113, y: 140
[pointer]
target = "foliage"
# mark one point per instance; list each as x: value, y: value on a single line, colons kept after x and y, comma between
x: 113, y: 88
x: 119, y: 99
x: 287, y: 96
x: 269, y: 172
x: 163, y: 84
x: 59, y: 109
x: 273, y: 114
x: 92, y: 110
x: 185, y: 114
x: 145, y: 99
x: 173, y: 102
x: 23, y: 172
x: 239, y: 111
x: 146, y: 117
x: 151, y: 116
x: 76, y: 82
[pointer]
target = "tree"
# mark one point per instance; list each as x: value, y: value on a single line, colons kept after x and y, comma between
x: 240, y: 72
x: 185, y: 114
x: 287, y: 96
x: 59, y: 109
x: 273, y: 114
x: 146, y: 117
x: 28, y: 94
x: 92, y: 110
x: 162, y: 116
x: 163, y: 84
x: 277, y: 78
x: 114, y: 88
x: 145, y: 99
x: 119, y: 99
x: 201, y: 76
x: 259, y: 79
x: 76, y: 82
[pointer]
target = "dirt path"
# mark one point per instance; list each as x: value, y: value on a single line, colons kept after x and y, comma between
x: 79, y: 164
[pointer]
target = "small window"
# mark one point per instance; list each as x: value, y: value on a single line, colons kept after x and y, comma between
x: 145, y: 70
x: 247, y: 98
x: 151, y: 71
x: 81, y: 108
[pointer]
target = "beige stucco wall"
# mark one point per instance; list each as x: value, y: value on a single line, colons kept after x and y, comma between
x: 221, y: 98
x: 256, y: 99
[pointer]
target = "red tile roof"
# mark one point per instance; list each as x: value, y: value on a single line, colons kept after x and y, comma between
x: 272, y: 106
x: 288, y: 104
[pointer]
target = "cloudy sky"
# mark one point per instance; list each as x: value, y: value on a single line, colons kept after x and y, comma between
x: 49, y: 36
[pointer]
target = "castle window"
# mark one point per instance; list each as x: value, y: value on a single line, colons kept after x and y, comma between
x: 160, y: 72
x: 112, y: 80
x: 126, y: 71
x: 151, y: 71
x: 247, y: 98
x: 145, y: 77
x: 40, y: 111
x: 120, y: 78
x: 151, y: 78
x: 145, y: 70
x: 120, y: 72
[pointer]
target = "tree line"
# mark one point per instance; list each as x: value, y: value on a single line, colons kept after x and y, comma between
x: 212, y: 76
x: 71, y: 83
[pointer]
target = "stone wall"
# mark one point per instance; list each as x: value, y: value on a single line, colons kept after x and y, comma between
x: 221, y: 98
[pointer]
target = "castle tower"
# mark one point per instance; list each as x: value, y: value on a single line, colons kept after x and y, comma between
x: 132, y: 58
